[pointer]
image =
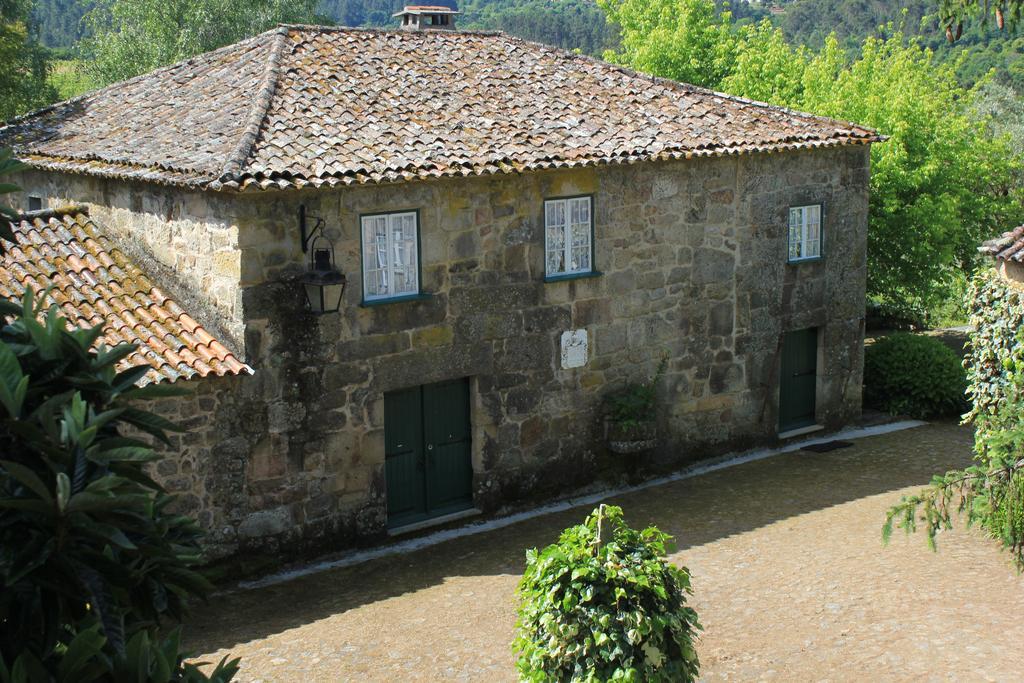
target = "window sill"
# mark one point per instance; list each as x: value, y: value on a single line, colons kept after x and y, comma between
x: 572, y: 276
x: 797, y: 262
x: 394, y: 300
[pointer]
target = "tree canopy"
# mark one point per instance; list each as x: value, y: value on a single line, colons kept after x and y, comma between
x: 130, y: 37
x: 23, y: 83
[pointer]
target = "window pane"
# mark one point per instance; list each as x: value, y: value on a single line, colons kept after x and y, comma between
x: 580, y: 259
x: 568, y: 236
x: 390, y: 256
x: 812, y: 214
x: 805, y: 232
x: 403, y: 243
x: 580, y: 247
x: 554, y: 236
x: 794, y: 234
x: 554, y: 213
x: 381, y: 280
x: 556, y: 249
x: 375, y: 259
x: 579, y: 210
x: 581, y: 235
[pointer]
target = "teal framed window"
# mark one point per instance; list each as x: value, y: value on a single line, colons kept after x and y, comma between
x: 391, y: 256
x: 805, y: 233
x: 568, y: 236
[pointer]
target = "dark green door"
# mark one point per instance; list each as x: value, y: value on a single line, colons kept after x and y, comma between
x: 798, y: 379
x: 428, y: 447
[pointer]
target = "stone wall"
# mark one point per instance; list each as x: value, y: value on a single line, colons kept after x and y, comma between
x: 693, y: 263
x: 188, y: 241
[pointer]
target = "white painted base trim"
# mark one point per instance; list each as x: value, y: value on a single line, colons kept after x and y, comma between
x: 413, y: 544
x: 434, y: 521
x: 800, y: 432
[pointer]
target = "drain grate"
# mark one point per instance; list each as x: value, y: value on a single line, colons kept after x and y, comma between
x: 827, y: 446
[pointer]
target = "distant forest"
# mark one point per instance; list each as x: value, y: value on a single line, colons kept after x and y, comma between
x: 981, y: 48
x: 579, y: 24
x: 574, y: 24
x: 59, y: 22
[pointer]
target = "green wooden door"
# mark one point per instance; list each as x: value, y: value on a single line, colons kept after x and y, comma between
x: 798, y: 379
x: 404, y: 454
x: 428, y: 448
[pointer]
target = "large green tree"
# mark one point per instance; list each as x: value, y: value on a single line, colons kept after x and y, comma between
x: 686, y: 40
x: 129, y: 37
x: 23, y: 77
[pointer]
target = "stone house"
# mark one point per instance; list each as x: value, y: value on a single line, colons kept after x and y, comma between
x: 523, y: 230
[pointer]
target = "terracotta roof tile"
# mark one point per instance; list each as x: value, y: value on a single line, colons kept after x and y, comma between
x: 129, y: 307
x: 316, y: 106
x: 1007, y: 247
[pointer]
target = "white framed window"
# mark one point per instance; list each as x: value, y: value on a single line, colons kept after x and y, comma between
x: 568, y: 236
x: 805, y: 232
x: 391, y: 256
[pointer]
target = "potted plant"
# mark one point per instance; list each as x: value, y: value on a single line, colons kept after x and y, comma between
x: 631, y: 422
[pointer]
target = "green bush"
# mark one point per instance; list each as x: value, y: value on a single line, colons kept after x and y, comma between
x: 603, y: 604
x: 907, y: 374
x: 635, y: 403
x: 93, y: 562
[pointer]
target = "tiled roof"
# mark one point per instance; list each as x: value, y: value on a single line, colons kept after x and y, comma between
x: 94, y: 283
x: 1007, y: 247
x: 311, y: 106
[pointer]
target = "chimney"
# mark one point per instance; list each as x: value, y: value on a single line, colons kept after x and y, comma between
x: 424, y: 17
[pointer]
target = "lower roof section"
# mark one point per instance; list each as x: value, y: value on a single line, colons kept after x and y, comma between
x: 94, y: 283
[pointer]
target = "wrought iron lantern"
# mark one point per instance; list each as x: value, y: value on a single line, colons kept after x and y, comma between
x: 323, y: 283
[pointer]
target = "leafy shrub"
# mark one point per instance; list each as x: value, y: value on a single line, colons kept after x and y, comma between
x: 635, y: 402
x: 990, y: 493
x: 92, y: 560
x: 604, y: 604
x: 913, y: 375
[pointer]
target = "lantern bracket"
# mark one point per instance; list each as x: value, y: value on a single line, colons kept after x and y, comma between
x: 305, y: 233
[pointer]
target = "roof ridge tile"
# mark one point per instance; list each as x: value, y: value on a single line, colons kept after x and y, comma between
x: 259, y: 108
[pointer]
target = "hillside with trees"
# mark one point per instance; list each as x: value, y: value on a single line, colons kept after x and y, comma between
x: 982, y: 47
x: 59, y: 22
x: 573, y: 24
x: 581, y: 25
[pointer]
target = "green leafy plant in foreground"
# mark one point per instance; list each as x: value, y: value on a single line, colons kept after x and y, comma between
x: 93, y: 562
x: 990, y: 494
x: 603, y: 604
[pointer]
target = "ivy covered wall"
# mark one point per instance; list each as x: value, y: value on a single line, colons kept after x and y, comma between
x: 995, y: 355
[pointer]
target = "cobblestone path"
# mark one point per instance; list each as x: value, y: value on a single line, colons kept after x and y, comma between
x: 792, y: 584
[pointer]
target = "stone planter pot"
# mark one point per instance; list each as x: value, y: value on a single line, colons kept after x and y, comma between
x: 634, y: 438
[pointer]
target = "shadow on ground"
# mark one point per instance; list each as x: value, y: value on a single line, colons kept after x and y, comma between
x: 696, y: 511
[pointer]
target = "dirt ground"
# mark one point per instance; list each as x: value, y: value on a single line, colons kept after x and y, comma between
x: 791, y: 582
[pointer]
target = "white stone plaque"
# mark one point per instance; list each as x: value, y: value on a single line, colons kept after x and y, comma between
x: 574, y: 349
